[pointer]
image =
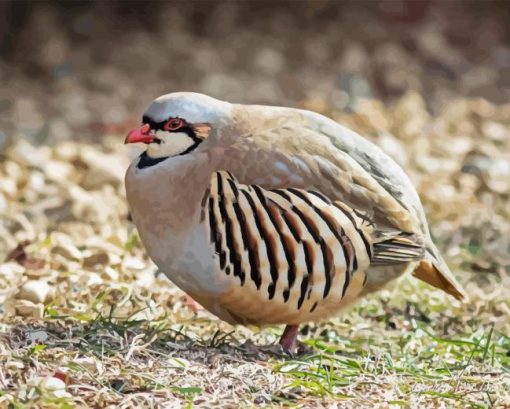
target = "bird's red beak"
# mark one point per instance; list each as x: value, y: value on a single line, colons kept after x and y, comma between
x: 140, y: 135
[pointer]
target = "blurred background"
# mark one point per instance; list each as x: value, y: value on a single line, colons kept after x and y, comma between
x: 428, y: 81
x: 75, y: 69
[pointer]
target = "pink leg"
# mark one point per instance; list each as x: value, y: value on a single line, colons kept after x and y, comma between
x: 192, y: 304
x: 288, y: 340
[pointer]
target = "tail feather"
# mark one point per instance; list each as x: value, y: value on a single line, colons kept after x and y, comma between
x: 434, y: 271
x: 392, y: 247
x: 397, y: 247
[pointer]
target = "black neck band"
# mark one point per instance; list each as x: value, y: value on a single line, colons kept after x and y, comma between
x: 146, y: 161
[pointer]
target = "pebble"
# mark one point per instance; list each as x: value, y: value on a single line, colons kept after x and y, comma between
x: 133, y: 263
x: 68, y: 251
x: 91, y: 364
x: 11, y: 270
x: 36, y: 291
x: 31, y: 155
x: 145, y: 279
x: 8, y: 188
x: 52, y: 384
x: 3, y: 203
x: 37, y: 337
x: 109, y: 273
x: 67, y: 151
x: 103, y: 168
x: 392, y: 146
x: 496, y: 131
x: 27, y: 308
x: 94, y: 279
x: 96, y: 259
x: 48, y: 274
x: 14, y: 170
x: 101, y: 245
x: 58, y: 171
x: 498, y: 175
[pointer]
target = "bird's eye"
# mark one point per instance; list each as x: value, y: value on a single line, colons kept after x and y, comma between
x: 173, y: 124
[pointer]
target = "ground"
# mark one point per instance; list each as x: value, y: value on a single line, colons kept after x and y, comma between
x: 85, y: 318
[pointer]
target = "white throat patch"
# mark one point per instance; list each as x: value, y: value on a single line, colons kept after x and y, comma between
x: 172, y: 143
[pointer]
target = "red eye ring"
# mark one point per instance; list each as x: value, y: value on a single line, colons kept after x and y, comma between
x: 173, y: 124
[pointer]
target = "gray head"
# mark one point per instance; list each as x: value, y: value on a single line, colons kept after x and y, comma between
x: 177, y: 123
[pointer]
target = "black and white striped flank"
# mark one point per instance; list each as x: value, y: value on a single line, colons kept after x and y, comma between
x: 293, y: 246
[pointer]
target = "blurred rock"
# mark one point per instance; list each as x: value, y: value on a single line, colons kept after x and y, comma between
x: 58, y: 171
x: 37, y: 337
x: 496, y: 131
x: 27, y: 153
x: 68, y: 251
x: 96, y: 260
x: 10, y: 274
x: 94, y: 279
x: 3, y: 203
x: 392, y: 146
x: 53, y: 385
x: 355, y: 87
x: 27, y: 308
x: 36, y: 291
x: 145, y: 279
x: 102, y: 169
x: 269, y: 61
x: 92, y: 365
x: 28, y: 116
x: 110, y: 274
x: 495, y: 172
x: 497, y: 175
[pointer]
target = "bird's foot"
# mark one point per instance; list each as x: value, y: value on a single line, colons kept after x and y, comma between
x: 288, y: 340
x: 290, y: 343
x: 192, y: 305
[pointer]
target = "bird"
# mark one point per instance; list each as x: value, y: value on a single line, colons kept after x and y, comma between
x: 271, y: 215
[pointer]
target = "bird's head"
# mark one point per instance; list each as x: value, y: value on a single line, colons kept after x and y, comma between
x: 177, y: 123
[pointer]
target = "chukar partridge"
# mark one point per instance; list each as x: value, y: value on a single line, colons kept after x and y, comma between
x: 272, y: 215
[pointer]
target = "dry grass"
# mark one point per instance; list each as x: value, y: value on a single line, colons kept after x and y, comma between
x: 407, y: 347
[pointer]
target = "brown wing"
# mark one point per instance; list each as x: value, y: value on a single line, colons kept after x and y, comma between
x: 318, y: 154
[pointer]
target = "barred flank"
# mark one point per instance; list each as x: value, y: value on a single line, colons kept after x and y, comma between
x: 290, y: 244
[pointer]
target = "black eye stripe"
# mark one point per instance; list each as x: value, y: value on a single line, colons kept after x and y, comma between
x: 154, y: 125
x: 160, y: 126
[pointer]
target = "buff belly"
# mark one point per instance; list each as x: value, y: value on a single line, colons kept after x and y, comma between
x: 251, y: 307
